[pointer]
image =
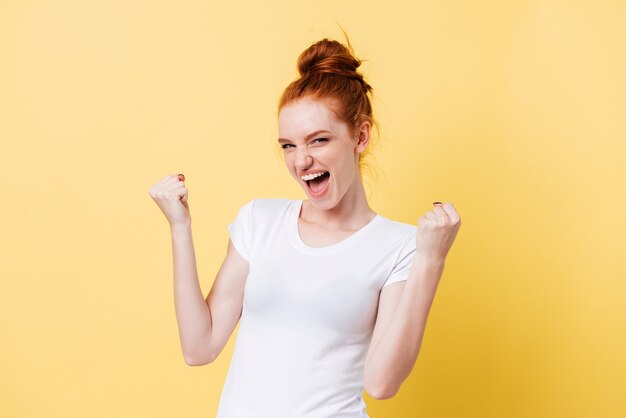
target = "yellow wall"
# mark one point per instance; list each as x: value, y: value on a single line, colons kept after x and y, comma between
x: 514, y: 111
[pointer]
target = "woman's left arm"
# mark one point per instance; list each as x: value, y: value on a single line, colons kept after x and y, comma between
x: 396, y: 350
x: 395, y: 354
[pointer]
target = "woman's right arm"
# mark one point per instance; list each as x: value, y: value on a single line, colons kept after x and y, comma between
x: 204, y: 325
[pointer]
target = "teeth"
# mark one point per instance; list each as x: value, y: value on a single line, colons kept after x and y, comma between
x: 312, y: 176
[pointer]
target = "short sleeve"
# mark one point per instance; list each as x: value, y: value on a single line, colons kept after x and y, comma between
x: 240, y: 230
x: 404, y: 262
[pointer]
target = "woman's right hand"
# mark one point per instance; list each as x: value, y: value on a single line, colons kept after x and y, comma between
x: 171, y: 196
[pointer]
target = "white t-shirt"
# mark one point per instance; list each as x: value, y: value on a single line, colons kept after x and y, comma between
x: 308, y: 313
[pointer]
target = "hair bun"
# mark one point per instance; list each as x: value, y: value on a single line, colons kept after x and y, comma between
x: 330, y: 57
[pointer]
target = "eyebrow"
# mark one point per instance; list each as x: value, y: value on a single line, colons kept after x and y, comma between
x: 309, y: 136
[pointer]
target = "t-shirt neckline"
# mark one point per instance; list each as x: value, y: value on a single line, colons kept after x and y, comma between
x: 295, y: 239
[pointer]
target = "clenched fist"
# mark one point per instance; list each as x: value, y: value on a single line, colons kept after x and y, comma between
x: 171, y: 196
x: 436, y: 231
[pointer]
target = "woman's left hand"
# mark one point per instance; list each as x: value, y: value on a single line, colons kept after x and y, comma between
x: 436, y: 231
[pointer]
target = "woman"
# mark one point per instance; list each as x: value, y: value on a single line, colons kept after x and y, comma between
x: 336, y: 296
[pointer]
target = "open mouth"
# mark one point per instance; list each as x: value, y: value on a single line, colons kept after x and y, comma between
x: 318, y: 184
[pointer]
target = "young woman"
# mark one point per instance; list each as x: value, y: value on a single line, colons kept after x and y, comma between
x: 336, y: 296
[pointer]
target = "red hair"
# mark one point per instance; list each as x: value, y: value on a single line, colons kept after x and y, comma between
x: 328, y: 71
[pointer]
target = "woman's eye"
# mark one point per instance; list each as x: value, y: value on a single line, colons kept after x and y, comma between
x: 284, y: 146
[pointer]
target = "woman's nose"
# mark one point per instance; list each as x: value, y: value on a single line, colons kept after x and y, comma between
x: 303, y: 160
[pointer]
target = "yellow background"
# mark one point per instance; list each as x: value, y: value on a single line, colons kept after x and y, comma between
x: 513, y: 111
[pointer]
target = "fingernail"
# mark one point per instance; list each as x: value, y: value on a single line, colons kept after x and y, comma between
x: 181, y: 177
x: 437, y: 203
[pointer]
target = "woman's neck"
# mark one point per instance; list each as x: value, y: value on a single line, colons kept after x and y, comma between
x: 352, y: 212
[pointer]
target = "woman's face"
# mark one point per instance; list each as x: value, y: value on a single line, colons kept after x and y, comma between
x: 314, y: 141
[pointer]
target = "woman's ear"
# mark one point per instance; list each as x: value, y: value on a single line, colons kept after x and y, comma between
x: 363, y: 136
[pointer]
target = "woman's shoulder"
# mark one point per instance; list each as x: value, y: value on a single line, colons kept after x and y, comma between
x: 397, y: 228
